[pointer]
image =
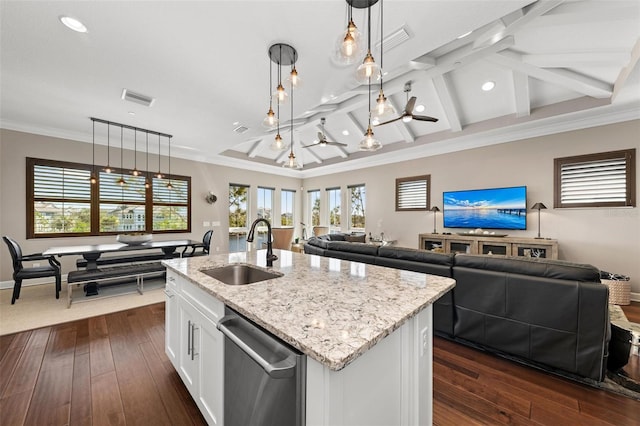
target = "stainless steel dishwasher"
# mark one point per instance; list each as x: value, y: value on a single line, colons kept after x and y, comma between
x: 264, y: 378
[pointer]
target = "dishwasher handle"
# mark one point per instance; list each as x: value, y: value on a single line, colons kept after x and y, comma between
x: 279, y: 370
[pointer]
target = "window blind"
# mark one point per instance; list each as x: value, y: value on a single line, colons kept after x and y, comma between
x: 595, y: 181
x: 412, y: 193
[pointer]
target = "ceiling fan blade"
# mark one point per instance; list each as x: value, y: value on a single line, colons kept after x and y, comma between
x: 410, y: 104
x: 310, y: 146
x: 424, y: 118
x: 320, y: 136
x: 336, y: 143
x: 387, y: 122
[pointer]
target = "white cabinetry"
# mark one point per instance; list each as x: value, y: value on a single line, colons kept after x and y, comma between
x: 194, y: 344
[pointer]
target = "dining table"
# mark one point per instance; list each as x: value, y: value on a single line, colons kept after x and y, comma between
x: 92, y: 252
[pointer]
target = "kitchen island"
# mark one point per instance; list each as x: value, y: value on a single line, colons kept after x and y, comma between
x: 366, y: 331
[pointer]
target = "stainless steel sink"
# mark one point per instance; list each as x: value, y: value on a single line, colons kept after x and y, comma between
x: 240, y: 274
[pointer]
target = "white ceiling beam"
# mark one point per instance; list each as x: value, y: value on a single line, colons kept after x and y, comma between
x: 447, y: 102
x: 626, y: 71
x: 521, y: 93
x: 466, y: 55
x: 531, y: 12
x: 312, y: 154
x: 593, y: 58
x: 564, y: 78
x: 353, y: 120
x: 255, y: 148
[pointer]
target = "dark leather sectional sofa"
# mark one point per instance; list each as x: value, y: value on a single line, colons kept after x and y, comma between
x: 548, y: 314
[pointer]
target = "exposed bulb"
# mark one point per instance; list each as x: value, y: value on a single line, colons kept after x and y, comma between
x: 349, y: 46
x: 270, y: 121
x: 108, y: 169
x: 281, y: 95
x: 147, y: 185
x: 135, y: 172
x: 277, y: 144
x: 294, y: 78
x: 369, y: 143
x: 93, y: 179
x: 383, y: 109
x: 291, y: 163
x: 367, y: 69
x: 159, y: 175
x: 169, y: 186
x: 121, y: 181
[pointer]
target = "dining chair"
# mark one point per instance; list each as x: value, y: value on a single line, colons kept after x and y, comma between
x: 21, y: 273
x: 201, y: 249
x: 282, y: 238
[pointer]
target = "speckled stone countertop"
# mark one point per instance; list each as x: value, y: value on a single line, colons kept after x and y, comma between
x: 332, y: 310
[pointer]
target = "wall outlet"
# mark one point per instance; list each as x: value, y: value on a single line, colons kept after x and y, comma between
x: 206, y: 224
x: 424, y: 340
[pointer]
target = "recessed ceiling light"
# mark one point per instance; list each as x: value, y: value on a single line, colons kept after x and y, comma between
x: 132, y: 113
x: 73, y: 24
x: 488, y: 85
x: 420, y: 108
x: 235, y: 123
x: 345, y: 132
x: 464, y: 35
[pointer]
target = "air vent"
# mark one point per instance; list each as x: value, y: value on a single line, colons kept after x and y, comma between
x: 138, y: 98
x: 395, y: 39
x: 240, y: 129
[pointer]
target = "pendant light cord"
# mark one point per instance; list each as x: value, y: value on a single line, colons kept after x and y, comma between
x: 381, y: 36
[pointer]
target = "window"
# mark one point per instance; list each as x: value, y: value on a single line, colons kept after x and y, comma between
x: 357, y: 207
x: 413, y: 193
x: 62, y: 202
x: 287, y: 198
x: 238, y: 218
x: 265, y: 211
x: 333, y: 196
x: 596, y: 180
x: 314, y: 210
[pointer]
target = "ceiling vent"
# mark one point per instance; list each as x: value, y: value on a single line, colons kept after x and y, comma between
x: 240, y: 129
x: 138, y: 98
x: 395, y: 39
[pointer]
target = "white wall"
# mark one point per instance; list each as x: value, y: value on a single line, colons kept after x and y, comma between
x: 16, y: 146
x: 608, y: 238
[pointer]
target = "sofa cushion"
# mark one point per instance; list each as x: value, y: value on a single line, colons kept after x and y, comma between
x: 356, y: 238
x: 318, y: 242
x: 415, y: 255
x: 348, y: 247
x: 545, y: 268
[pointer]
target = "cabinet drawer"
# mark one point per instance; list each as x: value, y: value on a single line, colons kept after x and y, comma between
x: 173, y: 281
x: 210, y: 307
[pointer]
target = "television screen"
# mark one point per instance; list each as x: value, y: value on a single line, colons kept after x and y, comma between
x: 495, y: 208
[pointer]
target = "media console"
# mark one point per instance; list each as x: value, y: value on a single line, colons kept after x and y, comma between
x: 487, y: 244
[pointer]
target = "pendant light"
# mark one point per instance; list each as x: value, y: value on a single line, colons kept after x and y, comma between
x: 292, y: 163
x: 270, y: 121
x: 368, y: 68
x: 93, y: 178
x: 350, y: 44
x: 383, y: 109
x: 282, y: 54
x: 369, y: 143
x: 169, y: 186
x: 147, y: 184
x: 159, y: 175
x: 108, y: 168
x: 281, y: 94
x: 121, y: 181
x: 135, y: 170
x: 277, y: 144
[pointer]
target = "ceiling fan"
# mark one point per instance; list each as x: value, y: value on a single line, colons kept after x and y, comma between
x: 322, y: 138
x: 407, y: 114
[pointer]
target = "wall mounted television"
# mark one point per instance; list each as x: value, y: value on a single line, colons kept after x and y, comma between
x: 492, y: 208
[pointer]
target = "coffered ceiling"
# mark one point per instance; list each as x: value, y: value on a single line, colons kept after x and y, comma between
x: 557, y: 65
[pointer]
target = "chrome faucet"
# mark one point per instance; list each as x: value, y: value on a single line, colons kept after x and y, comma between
x: 270, y: 256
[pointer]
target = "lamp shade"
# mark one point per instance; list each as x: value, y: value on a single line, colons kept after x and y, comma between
x: 538, y: 206
x: 435, y: 209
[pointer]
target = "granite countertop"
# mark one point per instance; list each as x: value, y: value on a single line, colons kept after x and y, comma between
x: 330, y: 309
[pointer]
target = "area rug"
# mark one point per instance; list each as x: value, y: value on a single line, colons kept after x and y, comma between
x: 38, y: 307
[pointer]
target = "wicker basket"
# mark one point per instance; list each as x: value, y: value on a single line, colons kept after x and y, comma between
x: 619, y: 291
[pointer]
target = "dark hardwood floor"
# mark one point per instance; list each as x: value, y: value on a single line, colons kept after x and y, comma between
x: 112, y: 370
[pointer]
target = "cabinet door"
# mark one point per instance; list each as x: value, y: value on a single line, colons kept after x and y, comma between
x: 209, y: 354
x: 188, y: 361
x: 172, y: 327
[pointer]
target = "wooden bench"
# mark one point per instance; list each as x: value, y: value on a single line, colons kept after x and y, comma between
x: 135, y: 270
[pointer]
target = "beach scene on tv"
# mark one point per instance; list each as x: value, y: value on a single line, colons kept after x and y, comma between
x: 495, y: 208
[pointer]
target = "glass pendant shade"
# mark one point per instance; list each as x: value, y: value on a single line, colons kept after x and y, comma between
x: 369, y: 143
x: 277, y: 144
x: 383, y: 110
x: 367, y: 70
x: 281, y: 95
x: 292, y: 163
x: 294, y: 79
x: 351, y: 46
x: 270, y: 121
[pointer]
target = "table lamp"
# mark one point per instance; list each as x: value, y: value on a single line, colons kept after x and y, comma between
x: 435, y: 210
x: 538, y: 206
